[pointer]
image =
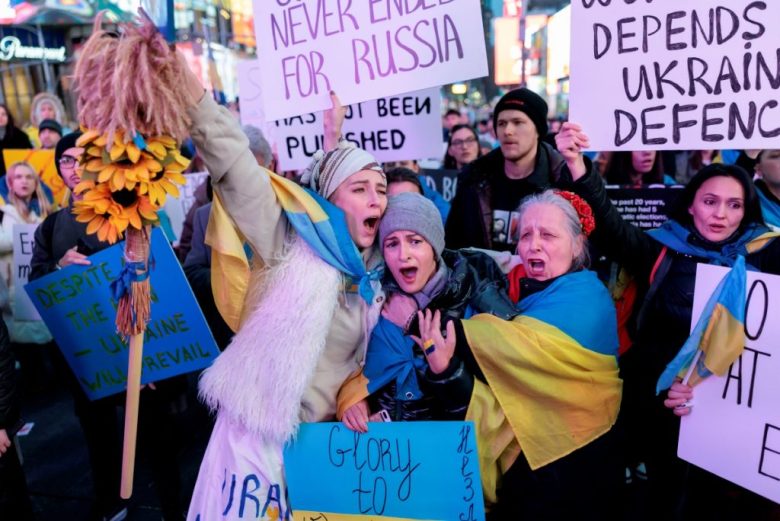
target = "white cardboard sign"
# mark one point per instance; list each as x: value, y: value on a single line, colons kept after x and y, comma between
x: 664, y: 74
x: 363, y: 50
x: 391, y: 129
x: 23, y: 242
x: 734, y: 428
x: 178, y: 207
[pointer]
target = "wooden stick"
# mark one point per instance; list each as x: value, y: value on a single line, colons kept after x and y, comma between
x: 131, y: 414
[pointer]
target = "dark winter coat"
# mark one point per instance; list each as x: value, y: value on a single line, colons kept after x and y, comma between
x: 471, y: 216
x: 475, y: 285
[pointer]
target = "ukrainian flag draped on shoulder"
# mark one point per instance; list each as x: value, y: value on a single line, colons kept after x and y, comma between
x: 718, y: 337
x: 769, y: 209
x: 554, y: 381
x: 321, y: 224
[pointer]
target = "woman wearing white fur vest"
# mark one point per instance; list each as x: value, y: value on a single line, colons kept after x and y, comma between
x: 304, y: 329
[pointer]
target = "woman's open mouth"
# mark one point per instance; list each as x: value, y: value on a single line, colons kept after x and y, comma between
x: 409, y: 275
x: 370, y: 224
x: 535, y: 267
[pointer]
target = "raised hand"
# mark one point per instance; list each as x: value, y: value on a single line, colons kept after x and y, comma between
x: 437, y: 348
x: 570, y: 141
x: 332, y: 121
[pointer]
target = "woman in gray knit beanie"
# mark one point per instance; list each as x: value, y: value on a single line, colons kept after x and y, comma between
x: 420, y: 274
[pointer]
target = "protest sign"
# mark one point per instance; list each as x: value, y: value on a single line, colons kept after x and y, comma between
x: 701, y: 74
x: 645, y: 208
x: 734, y: 428
x: 409, y: 470
x: 391, y: 129
x: 443, y: 181
x: 43, y: 163
x: 178, y: 207
x: 77, y: 305
x: 363, y: 50
x: 23, y: 241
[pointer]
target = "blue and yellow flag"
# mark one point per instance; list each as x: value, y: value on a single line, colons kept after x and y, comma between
x: 321, y: 224
x: 718, y: 337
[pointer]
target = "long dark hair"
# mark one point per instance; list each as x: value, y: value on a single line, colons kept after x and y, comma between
x: 620, y: 168
x: 449, y: 161
x: 10, y: 127
x: 679, y: 210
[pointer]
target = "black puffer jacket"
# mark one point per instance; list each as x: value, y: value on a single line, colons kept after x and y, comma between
x: 477, y: 284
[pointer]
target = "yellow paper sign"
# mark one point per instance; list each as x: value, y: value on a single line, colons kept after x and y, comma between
x: 43, y: 162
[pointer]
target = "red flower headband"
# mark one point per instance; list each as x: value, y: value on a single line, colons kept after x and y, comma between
x: 583, y: 209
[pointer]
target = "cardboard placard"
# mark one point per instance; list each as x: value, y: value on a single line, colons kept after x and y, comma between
x: 734, y: 427
x: 363, y: 50
x: 663, y: 75
x: 408, y: 470
x: 23, y: 242
x: 77, y: 305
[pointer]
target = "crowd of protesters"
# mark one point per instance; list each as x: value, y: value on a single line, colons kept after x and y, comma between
x: 571, y: 423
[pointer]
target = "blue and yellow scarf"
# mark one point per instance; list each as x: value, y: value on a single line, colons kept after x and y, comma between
x: 320, y: 223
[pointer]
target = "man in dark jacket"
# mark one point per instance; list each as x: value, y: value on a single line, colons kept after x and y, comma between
x: 490, y: 189
x: 14, y: 501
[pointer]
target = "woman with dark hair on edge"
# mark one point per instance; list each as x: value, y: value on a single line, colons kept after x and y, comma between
x: 462, y: 147
x: 716, y: 220
x: 11, y: 137
x: 636, y: 169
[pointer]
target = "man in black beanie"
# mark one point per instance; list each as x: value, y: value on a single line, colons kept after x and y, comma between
x: 490, y: 189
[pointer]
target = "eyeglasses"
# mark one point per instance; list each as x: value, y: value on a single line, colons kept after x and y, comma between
x: 462, y: 142
x: 68, y: 161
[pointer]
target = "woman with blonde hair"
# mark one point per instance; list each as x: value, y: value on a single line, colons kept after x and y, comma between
x: 26, y: 193
x: 26, y: 204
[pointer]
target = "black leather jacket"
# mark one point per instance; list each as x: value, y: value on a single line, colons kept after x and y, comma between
x: 475, y: 284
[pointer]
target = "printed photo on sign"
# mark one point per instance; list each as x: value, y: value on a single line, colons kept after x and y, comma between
x: 740, y: 406
x: 363, y: 50
x: 694, y: 75
x: 77, y: 305
x: 501, y: 220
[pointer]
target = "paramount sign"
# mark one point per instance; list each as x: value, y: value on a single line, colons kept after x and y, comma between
x: 11, y: 48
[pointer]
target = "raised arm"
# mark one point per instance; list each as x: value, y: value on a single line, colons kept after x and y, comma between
x: 619, y: 240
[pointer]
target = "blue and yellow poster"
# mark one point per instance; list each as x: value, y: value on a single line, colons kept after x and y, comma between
x: 77, y: 306
x: 396, y: 471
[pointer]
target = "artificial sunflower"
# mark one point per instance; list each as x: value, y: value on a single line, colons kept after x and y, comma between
x: 108, y: 213
x: 154, y: 165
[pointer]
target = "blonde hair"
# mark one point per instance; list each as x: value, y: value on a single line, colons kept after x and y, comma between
x: 21, y: 206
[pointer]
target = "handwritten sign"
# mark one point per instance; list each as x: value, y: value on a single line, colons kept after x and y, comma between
x: 408, y: 470
x: 391, y: 129
x: 741, y: 406
x: 23, y: 241
x: 443, y: 181
x: 645, y: 208
x: 363, y: 50
x: 77, y: 305
x: 43, y: 163
x: 700, y: 74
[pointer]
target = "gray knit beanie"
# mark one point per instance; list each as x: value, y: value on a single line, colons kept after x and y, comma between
x: 413, y: 212
x: 328, y: 170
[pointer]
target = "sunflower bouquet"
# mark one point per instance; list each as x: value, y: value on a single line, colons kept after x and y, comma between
x: 133, y: 115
